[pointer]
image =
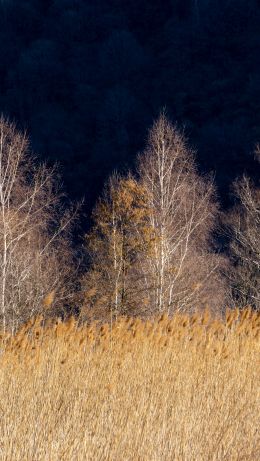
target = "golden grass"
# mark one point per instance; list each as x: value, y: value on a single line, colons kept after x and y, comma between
x: 180, y: 389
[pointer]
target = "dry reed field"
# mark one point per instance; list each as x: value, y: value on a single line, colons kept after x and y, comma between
x: 185, y: 388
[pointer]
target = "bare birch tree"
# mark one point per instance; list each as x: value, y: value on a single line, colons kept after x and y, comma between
x: 184, y: 271
x: 35, y: 256
x: 244, y: 233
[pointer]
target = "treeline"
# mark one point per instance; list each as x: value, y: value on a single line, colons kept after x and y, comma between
x: 152, y: 247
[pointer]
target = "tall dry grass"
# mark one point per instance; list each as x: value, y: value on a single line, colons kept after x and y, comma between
x: 180, y: 389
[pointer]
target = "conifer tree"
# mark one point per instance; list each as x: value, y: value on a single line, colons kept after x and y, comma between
x: 120, y: 237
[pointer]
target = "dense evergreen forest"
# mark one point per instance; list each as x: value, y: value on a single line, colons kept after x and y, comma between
x: 86, y: 80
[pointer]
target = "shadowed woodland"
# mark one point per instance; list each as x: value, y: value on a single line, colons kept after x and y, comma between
x: 86, y: 80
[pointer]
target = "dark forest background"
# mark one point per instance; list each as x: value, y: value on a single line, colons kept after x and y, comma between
x: 87, y: 78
